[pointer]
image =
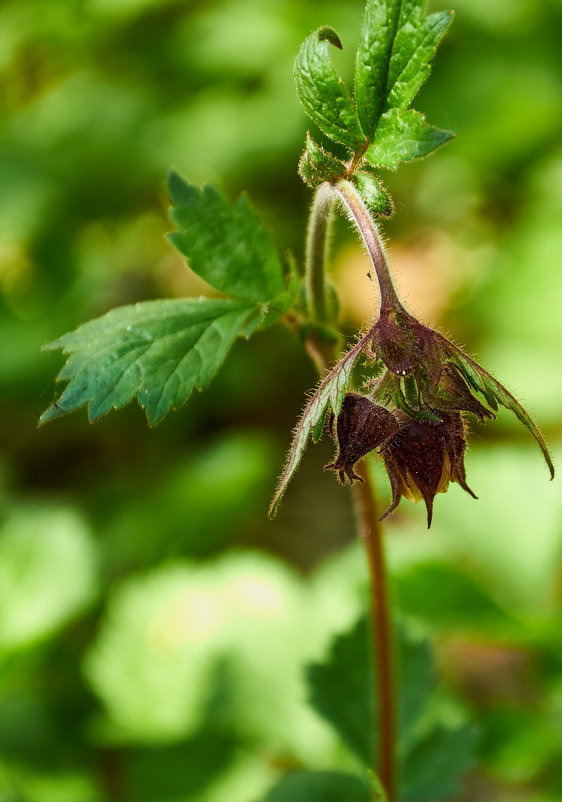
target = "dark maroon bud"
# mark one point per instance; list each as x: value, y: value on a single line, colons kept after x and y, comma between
x: 361, y: 427
x: 423, y: 457
x: 398, y: 340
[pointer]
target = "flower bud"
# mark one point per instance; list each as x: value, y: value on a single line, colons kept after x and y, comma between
x: 423, y: 457
x: 398, y: 340
x: 361, y: 426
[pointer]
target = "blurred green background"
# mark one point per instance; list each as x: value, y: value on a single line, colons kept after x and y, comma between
x: 154, y: 625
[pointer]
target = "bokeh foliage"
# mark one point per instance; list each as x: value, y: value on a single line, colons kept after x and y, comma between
x: 154, y: 628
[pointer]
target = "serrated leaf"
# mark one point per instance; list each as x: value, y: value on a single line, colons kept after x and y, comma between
x: 320, y: 786
x: 495, y: 393
x: 375, y: 196
x: 225, y: 244
x: 412, y: 52
x: 392, y: 63
x: 328, y: 395
x: 341, y: 688
x: 323, y: 94
x: 157, y: 352
x: 317, y: 165
x: 435, y: 767
x: 403, y: 136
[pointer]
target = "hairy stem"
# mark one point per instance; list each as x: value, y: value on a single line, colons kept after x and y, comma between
x: 367, y: 518
x: 368, y: 522
x: 317, y: 238
x: 360, y: 216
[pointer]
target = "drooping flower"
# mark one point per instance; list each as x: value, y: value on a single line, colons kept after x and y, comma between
x: 423, y: 457
x: 361, y: 427
x: 428, y: 377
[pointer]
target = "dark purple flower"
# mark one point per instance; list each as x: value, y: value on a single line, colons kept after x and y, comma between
x: 361, y: 427
x: 423, y: 457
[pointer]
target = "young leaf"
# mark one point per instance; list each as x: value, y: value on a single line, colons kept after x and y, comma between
x: 317, y: 165
x: 328, y: 395
x: 412, y: 52
x: 156, y: 351
x: 376, y: 197
x: 402, y: 137
x: 323, y: 94
x: 320, y: 786
x: 224, y: 243
x: 393, y: 56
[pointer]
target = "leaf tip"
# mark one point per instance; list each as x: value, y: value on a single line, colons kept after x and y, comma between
x: 327, y: 34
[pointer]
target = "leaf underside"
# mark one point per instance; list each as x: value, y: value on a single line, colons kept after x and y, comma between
x: 328, y: 396
x: 157, y: 352
x: 496, y: 394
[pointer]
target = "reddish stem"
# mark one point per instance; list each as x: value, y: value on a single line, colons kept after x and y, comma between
x: 371, y: 531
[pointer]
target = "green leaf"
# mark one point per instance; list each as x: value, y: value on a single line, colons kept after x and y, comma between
x: 225, y: 243
x: 435, y: 767
x: 320, y: 786
x: 495, y: 393
x: 168, y: 773
x: 341, y: 690
x: 431, y: 764
x: 323, y: 94
x: 156, y: 351
x: 317, y: 165
x: 392, y: 63
x: 328, y: 395
x: 403, y: 136
x: 341, y: 687
x: 412, y: 52
x: 448, y: 599
x: 374, y: 194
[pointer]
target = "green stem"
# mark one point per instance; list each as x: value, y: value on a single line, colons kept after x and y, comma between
x: 361, y: 217
x: 317, y: 240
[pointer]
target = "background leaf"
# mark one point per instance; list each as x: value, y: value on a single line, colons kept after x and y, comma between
x: 435, y: 767
x: 156, y: 351
x: 341, y: 687
x: 36, y: 598
x: 309, y: 786
x: 225, y: 244
x: 342, y: 691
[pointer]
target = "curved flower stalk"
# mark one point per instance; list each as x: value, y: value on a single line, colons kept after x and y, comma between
x: 414, y: 404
